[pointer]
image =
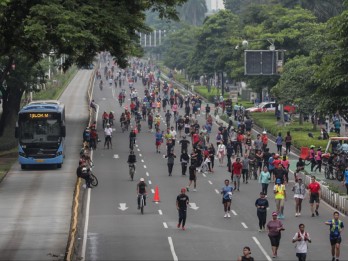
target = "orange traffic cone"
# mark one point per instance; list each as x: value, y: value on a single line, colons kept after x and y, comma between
x: 156, y: 198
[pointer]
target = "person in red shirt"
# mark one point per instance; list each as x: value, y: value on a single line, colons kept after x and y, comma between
x: 314, y: 195
x: 276, y: 161
x: 236, y: 173
x: 195, y: 139
x: 264, y: 139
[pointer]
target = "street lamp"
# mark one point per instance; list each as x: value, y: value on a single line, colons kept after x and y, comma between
x: 245, y: 43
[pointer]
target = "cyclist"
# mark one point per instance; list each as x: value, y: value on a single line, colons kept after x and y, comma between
x: 227, y: 192
x: 132, y: 138
x: 111, y: 118
x: 108, y: 135
x: 83, y: 172
x: 132, y: 158
x: 141, y: 190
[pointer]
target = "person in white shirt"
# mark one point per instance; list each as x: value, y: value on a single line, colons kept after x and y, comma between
x: 221, y: 152
x: 108, y: 134
x: 301, y: 238
x: 173, y: 133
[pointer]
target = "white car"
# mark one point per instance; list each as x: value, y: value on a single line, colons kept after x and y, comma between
x: 263, y: 107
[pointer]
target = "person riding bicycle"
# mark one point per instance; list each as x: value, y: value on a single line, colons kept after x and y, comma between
x: 132, y: 158
x: 120, y: 98
x: 83, y: 172
x: 111, y: 118
x: 105, y: 118
x: 141, y: 190
x: 101, y: 84
x: 93, y: 105
x: 132, y: 138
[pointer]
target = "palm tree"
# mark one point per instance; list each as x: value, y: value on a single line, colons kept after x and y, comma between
x: 193, y: 11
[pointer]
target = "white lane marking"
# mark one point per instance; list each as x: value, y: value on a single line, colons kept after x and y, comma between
x: 142, y: 160
x: 147, y: 173
x: 204, y: 175
x: 150, y: 182
x: 153, y: 191
x: 234, y: 212
x: 85, y: 230
x: 165, y: 225
x: 138, y: 149
x: 136, y: 145
x: 116, y: 156
x: 156, y: 202
x: 160, y: 212
x: 217, y: 192
x: 144, y: 166
x: 244, y: 225
x: 140, y: 155
x: 175, y: 258
x: 193, y: 206
x: 262, y: 249
x: 211, y: 183
x: 123, y: 206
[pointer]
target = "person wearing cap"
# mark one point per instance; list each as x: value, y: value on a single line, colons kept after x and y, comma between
x: 141, y: 190
x: 299, y: 190
x: 275, y: 227
x: 262, y: 204
x: 264, y: 139
x: 280, y: 196
x: 108, y: 135
x: 246, y: 255
x: 182, y: 200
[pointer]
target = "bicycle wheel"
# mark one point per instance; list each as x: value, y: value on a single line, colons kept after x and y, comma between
x: 94, y: 180
x: 327, y: 172
x: 339, y: 175
x: 142, y: 205
x: 131, y: 145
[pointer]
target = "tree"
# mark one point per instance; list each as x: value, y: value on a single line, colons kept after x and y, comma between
x: 79, y: 29
x: 193, y: 12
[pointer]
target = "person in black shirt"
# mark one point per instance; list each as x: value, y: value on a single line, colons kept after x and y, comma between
x: 300, y: 165
x: 141, y: 190
x: 182, y: 200
x: 246, y: 255
x: 262, y: 204
x: 266, y: 156
x: 279, y: 173
x: 207, y: 110
x: 184, y: 159
x: 184, y: 144
x: 131, y: 158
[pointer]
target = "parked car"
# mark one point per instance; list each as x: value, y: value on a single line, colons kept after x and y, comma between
x: 270, y: 106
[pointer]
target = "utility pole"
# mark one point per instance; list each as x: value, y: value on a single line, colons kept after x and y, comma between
x: 222, y: 84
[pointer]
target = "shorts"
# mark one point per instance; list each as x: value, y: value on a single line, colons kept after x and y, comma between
x: 226, y: 200
x: 299, y: 196
x: 275, y: 240
x: 193, y: 177
x: 314, y: 197
x: 335, y: 241
x: 158, y: 143
x: 235, y: 177
x: 280, y: 202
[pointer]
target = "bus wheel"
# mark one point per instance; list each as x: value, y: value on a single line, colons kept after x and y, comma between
x: 59, y: 166
x: 23, y: 166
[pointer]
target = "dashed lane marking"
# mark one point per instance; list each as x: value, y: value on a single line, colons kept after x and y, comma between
x: 116, y: 156
x: 244, y: 225
x: 142, y: 160
x: 211, y: 183
x: 145, y: 167
x: 147, y: 173
x: 140, y: 155
x: 165, y: 225
x: 262, y: 249
x: 234, y: 212
x: 138, y: 149
x: 153, y: 191
x: 217, y: 192
x: 175, y: 257
x: 204, y: 175
x: 160, y: 212
x: 150, y: 182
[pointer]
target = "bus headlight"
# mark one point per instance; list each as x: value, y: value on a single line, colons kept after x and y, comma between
x: 59, y: 153
x: 22, y: 154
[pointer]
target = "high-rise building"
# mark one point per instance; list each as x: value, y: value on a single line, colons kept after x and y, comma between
x: 214, y: 6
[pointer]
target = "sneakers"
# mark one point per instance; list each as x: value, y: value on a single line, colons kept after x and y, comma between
x: 299, y: 214
x: 317, y: 213
x: 225, y: 216
x: 312, y: 214
x: 296, y: 214
x: 228, y: 215
x: 178, y: 226
x: 194, y: 189
x: 187, y: 189
x: 260, y: 230
x: 183, y: 228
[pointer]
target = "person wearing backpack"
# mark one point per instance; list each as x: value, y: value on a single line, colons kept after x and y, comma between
x: 301, y: 238
x: 336, y: 228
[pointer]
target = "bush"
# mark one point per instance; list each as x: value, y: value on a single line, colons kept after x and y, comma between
x: 203, y: 91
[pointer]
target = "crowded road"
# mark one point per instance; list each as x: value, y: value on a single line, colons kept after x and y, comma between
x: 116, y: 230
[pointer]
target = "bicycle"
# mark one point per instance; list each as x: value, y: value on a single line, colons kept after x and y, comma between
x: 131, y: 170
x: 93, y: 181
x: 108, y: 142
x: 142, y: 203
x: 131, y: 143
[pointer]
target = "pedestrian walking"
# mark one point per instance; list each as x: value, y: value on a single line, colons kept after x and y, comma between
x: 236, y: 173
x: 299, y: 190
x: 280, y: 196
x: 288, y: 141
x: 318, y: 159
x: 192, y: 178
x: 184, y: 144
x: 279, y: 142
x: 246, y: 255
x: 275, y: 227
x: 312, y: 157
x: 314, y: 195
x: 336, y: 228
x: 245, y: 168
x: 301, y: 238
x: 261, y: 204
x: 184, y: 159
x: 211, y: 151
x: 182, y: 200
x: 170, y: 163
x: 227, y: 192
x: 264, y: 179
x: 221, y: 152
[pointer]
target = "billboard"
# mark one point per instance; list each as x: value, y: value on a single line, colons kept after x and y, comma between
x: 263, y: 62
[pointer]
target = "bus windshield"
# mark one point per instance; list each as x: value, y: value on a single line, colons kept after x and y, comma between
x: 39, y: 130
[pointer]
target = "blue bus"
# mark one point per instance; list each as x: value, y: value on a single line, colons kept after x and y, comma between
x: 40, y: 131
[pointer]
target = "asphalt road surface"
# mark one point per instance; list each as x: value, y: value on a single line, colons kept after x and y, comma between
x: 116, y: 230
x: 35, y: 204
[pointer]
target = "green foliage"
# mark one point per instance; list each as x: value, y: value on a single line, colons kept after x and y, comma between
x: 203, y: 91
